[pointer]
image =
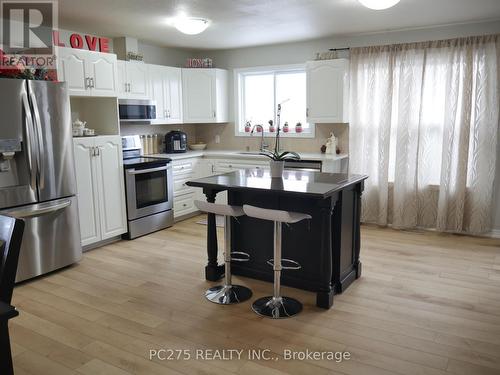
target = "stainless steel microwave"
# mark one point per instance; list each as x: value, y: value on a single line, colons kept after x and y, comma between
x: 137, y: 110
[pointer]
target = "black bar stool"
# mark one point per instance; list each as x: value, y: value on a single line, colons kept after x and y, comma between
x: 227, y: 293
x: 277, y: 306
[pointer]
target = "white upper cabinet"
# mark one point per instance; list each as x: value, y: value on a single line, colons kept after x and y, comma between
x: 327, y: 91
x: 102, y: 67
x: 174, y: 95
x: 204, y: 94
x: 87, y: 73
x: 132, y: 80
x: 165, y: 87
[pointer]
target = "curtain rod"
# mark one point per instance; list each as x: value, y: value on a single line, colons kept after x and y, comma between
x: 339, y: 49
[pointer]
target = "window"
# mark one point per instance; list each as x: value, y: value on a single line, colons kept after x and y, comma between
x: 260, y: 90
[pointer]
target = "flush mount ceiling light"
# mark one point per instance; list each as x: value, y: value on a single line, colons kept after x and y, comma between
x: 379, y: 4
x: 191, y: 25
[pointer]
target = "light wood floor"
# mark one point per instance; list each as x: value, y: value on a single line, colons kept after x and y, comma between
x: 426, y: 304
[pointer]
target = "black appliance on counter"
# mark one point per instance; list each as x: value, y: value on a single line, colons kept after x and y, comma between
x: 175, y: 141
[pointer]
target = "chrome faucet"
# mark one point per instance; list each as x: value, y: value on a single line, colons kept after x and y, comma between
x: 263, y: 144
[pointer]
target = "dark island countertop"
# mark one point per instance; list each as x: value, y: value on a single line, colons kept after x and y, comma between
x: 303, y: 183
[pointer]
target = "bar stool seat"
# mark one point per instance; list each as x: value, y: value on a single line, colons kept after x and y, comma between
x: 277, y: 306
x: 288, y: 217
x: 227, y: 294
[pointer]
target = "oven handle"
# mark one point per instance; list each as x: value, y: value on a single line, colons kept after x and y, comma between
x: 141, y: 171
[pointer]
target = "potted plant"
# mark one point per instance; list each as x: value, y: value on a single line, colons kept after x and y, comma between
x: 248, y: 126
x: 298, y: 128
x: 277, y: 162
x: 271, y: 126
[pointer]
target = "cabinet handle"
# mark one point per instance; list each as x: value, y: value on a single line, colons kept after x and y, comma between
x: 168, y: 113
x: 87, y: 84
x: 165, y: 114
x: 129, y: 87
x: 215, y: 114
x: 307, y: 112
x: 91, y: 82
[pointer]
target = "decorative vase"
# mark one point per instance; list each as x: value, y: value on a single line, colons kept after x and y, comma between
x: 277, y: 168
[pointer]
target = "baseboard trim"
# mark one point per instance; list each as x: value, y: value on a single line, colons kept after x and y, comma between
x: 494, y: 233
x: 96, y: 245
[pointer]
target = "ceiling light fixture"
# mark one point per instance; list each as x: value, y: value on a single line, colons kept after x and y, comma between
x: 379, y: 4
x: 191, y: 25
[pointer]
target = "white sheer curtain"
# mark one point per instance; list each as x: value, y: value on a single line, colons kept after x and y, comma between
x: 424, y: 119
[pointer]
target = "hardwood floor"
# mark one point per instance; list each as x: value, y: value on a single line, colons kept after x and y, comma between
x: 426, y: 304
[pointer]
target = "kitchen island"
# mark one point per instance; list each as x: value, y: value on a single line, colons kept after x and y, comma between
x: 327, y: 246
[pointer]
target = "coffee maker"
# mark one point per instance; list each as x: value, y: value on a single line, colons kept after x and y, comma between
x: 175, y: 142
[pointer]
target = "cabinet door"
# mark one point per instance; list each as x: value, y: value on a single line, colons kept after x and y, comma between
x: 326, y: 91
x: 157, y: 78
x: 87, y: 192
x: 111, y: 185
x: 102, y: 69
x: 221, y: 99
x: 173, y: 95
x: 137, y: 79
x: 121, y: 79
x: 198, y: 94
x: 72, y: 69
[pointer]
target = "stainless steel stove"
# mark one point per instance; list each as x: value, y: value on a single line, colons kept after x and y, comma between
x: 149, y: 190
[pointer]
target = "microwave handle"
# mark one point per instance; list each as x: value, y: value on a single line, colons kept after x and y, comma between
x: 141, y: 171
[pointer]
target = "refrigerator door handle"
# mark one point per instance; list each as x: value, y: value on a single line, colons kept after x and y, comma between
x: 29, y: 140
x: 41, y: 147
x: 27, y: 213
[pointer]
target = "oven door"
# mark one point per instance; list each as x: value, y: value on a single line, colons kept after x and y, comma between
x: 149, y: 190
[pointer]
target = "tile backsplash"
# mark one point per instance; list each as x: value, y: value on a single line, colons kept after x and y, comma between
x: 228, y: 141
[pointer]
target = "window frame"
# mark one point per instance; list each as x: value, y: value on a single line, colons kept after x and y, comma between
x: 239, y: 95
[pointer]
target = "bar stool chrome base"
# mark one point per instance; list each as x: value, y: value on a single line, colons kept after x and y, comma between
x: 228, y: 294
x: 277, y: 307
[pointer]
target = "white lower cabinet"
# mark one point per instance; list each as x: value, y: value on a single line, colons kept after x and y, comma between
x: 189, y: 169
x: 184, y: 170
x: 100, y: 188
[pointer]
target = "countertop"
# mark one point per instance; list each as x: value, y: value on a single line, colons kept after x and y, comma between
x: 312, y: 184
x: 251, y: 155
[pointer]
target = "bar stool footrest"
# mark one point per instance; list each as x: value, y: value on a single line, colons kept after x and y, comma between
x: 239, y: 256
x: 293, y: 265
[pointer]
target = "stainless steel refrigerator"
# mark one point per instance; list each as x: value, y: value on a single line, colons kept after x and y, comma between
x: 37, y: 176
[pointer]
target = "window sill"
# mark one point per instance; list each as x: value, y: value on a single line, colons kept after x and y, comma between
x: 307, y: 135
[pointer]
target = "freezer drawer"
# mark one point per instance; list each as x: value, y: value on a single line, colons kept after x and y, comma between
x: 51, y: 237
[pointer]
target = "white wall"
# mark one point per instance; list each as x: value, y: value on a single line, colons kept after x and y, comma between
x: 299, y: 52
x: 165, y: 56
